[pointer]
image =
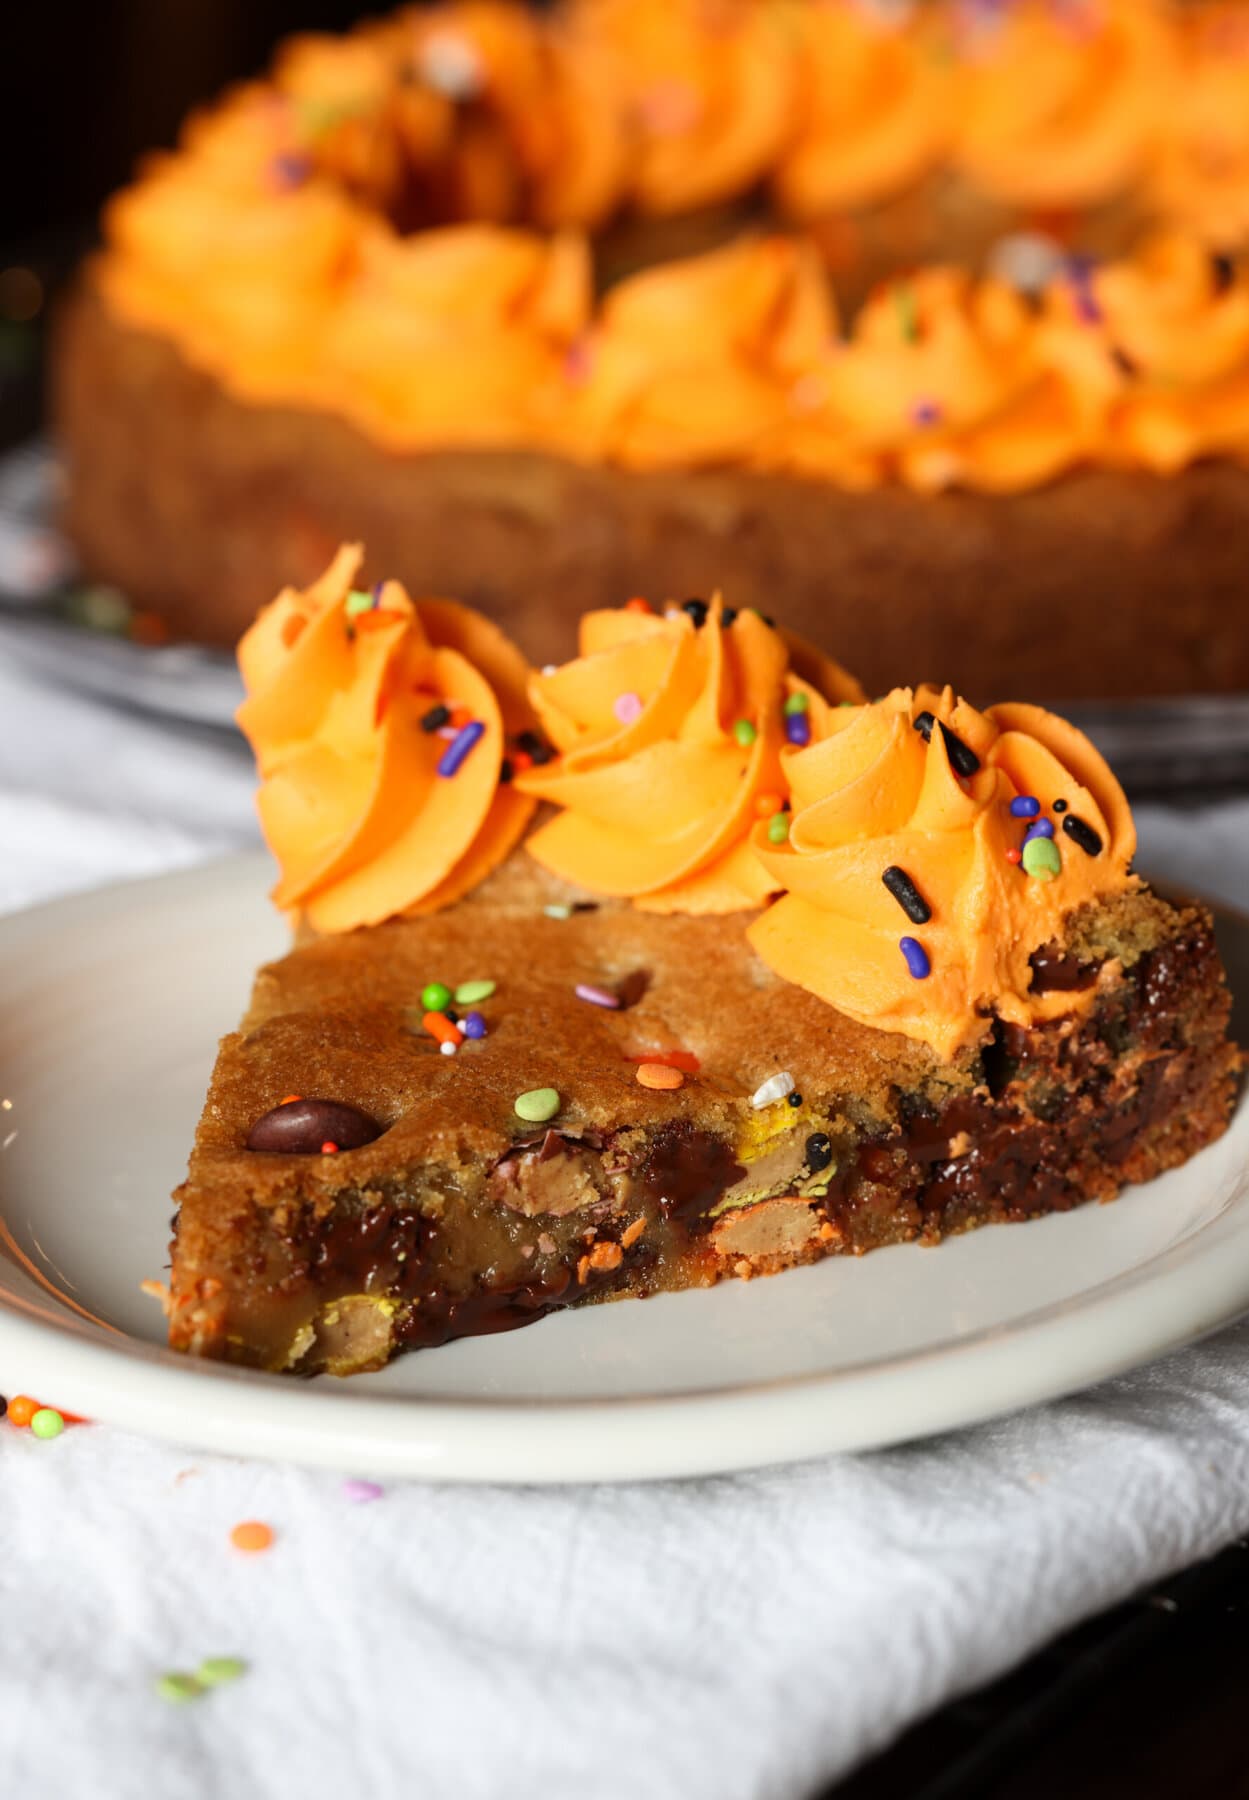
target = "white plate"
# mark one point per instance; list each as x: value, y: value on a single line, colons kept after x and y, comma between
x: 110, y: 1007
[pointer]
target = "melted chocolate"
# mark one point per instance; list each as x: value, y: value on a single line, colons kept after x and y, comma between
x: 686, y: 1172
x: 1054, y: 972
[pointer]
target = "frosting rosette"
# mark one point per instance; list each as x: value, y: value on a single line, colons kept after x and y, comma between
x: 669, y: 730
x: 379, y: 728
x: 1201, y: 178
x: 932, y: 850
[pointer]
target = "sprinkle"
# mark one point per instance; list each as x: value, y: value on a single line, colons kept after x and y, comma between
x: 557, y: 910
x: 435, y: 718
x: 637, y: 605
x: 290, y: 170
x: 796, y: 703
x: 1025, y: 806
x: 1039, y: 828
x: 795, y: 1099
x: 177, y: 1688
x: 776, y: 1087
x: 536, y: 1105
x: 627, y: 707
x: 1222, y: 271
x: 1123, y: 362
x: 915, y: 956
x: 597, y: 996
x: 474, y: 1026
x: 468, y: 993
x: 907, y: 311
x: 697, y: 610
x: 767, y: 804
x: 1060, y: 806
x: 963, y: 759
x: 253, y: 1536
x: 460, y: 717
x: 535, y: 746
x: 435, y: 997
x: 215, y: 1670
x: 659, y: 1076
x: 778, y: 828
x: 745, y: 732
x: 451, y: 65
x: 1013, y: 855
x: 819, y: 1151
x: 329, y: 1148
x: 924, y: 723
x: 1041, y: 859
x: 521, y: 761
x: 47, y: 1423
x: 447, y: 1048
x: 22, y: 1409
x: 1083, y: 834
x: 925, y: 413
x: 362, y: 1491
x: 907, y: 895
x: 459, y: 747
x: 439, y: 1026
x: 798, y: 729
x: 357, y: 603
x: 728, y: 616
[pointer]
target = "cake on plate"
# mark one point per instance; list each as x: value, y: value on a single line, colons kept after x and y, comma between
x: 677, y: 962
x: 929, y: 318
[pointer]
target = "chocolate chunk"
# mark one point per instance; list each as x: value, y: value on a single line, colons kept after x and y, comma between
x: 1055, y: 972
x: 304, y: 1127
x: 819, y: 1151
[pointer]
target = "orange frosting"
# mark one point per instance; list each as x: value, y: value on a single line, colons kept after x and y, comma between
x: 670, y: 736
x: 351, y: 802
x: 873, y: 794
x: 1201, y: 177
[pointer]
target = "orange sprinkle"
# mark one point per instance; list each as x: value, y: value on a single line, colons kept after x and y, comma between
x: 675, y: 1059
x: 659, y: 1075
x: 329, y: 1148
x: 521, y: 759
x: 630, y: 1237
x: 22, y: 1409
x: 289, y: 1099
x: 638, y: 605
x: 606, y: 1256
x: 439, y: 1026
x: 460, y: 717
x: 252, y: 1535
x: 767, y: 804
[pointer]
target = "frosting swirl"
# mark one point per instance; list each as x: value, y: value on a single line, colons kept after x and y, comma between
x: 876, y: 794
x: 1201, y: 177
x: 353, y: 803
x: 669, y: 731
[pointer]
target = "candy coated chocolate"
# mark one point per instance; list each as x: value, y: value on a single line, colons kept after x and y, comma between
x: 301, y: 1127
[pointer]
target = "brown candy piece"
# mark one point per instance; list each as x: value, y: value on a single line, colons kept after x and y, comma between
x: 302, y: 1127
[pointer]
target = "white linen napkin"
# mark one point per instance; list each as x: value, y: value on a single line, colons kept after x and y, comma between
x: 740, y: 1638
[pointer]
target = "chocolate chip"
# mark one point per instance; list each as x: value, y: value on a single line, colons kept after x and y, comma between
x: 302, y: 1127
x: 819, y: 1152
x: 697, y: 609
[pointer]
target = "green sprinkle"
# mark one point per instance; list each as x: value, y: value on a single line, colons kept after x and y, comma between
x: 557, y: 910
x: 435, y: 996
x: 745, y: 732
x: 778, y: 828
x: 1040, y: 860
x: 178, y: 1688
x: 469, y: 992
x: 795, y: 704
x: 47, y: 1422
x: 357, y: 602
x: 216, y: 1669
x: 538, y: 1105
x: 907, y: 311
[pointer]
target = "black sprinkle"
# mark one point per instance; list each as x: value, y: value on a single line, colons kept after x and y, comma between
x: 795, y: 1099
x: 435, y: 718
x: 1060, y: 806
x: 452, y: 1015
x: 924, y: 723
x: 963, y: 759
x: 544, y: 753
x: 907, y: 894
x: 1082, y: 834
x: 585, y: 905
x: 1223, y: 269
x: 697, y: 609
x: 728, y: 615
x: 535, y: 747
x: 819, y: 1151
x: 1123, y: 362
x: 506, y: 771
x: 767, y: 618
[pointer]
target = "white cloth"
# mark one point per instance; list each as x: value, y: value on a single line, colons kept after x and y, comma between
x: 733, y: 1639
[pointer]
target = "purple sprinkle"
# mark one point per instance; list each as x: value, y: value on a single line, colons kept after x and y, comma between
x: 925, y: 412
x: 627, y: 707
x: 916, y: 957
x: 597, y: 996
x: 377, y: 593
x: 1025, y: 806
x: 1041, y: 828
x: 291, y: 170
x: 474, y: 1025
x: 459, y: 747
x: 798, y: 728
x: 361, y: 1491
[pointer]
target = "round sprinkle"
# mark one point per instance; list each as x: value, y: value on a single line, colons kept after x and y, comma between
x: 796, y: 703
x: 597, y: 996
x: 47, y: 1423
x: 1060, y: 806
x: 1082, y: 834
x: 798, y: 729
x: 697, y: 610
x: 728, y: 616
x: 215, y: 1670
x: 745, y: 732
x: 329, y: 1148
x: 819, y: 1151
x: 1038, y: 828
x: 907, y: 895
x: 177, y: 1688
x: 474, y: 1026
x: 795, y: 1099
x: 915, y: 956
x: 360, y: 1492
x: 447, y: 1048
x: 767, y: 804
x: 536, y: 1105
x: 470, y: 992
x: 627, y: 707
x: 659, y: 1075
x: 925, y: 412
x: 459, y: 747
x: 1025, y: 806
x: 1013, y: 855
x: 777, y: 1087
x: 253, y: 1536
x: 558, y: 911
x: 637, y: 605
x: 357, y: 603
x: 1041, y: 859
x: 435, y: 997
x: 22, y: 1409
x: 778, y: 828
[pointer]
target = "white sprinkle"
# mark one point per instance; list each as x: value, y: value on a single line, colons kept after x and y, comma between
x: 448, y: 1048
x: 451, y: 66
x: 597, y: 996
x: 1027, y: 260
x: 776, y: 1087
x: 558, y: 911
x: 550, y: 668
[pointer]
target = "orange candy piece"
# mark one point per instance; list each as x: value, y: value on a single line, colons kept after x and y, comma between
x: 659, y: 1075
x: 252, y: 1535
x: 22, y: 1409
x: 439, y: 1026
